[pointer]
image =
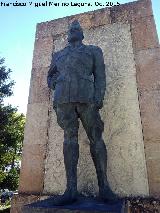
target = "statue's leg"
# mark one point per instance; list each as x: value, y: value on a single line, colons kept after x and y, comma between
x: 94, y: 127
x: 67, y: 119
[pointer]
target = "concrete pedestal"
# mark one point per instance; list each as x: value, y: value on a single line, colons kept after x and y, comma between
x: 82, y: 205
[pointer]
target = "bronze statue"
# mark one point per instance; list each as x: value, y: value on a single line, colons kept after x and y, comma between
x: 77, y: 74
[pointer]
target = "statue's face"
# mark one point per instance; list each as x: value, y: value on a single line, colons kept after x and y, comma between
x: 74, y: 34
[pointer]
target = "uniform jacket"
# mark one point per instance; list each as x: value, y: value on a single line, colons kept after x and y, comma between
x: 77, y: 75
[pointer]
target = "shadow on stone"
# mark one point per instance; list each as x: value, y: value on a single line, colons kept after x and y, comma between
x: 81, y: 205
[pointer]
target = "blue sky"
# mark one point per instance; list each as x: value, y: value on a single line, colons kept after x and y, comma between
x: 18, y: 26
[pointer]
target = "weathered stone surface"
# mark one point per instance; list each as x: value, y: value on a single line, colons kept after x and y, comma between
x: 148, y: 69
x: 154, y: 188
x: 54, y: 167
x: 123, y: 132
x: 92, y: 19
x: 143, y: 205
x: 43, y: 49
x: 59, y: 45
x: 131, y: 11
x: 101, y: 17
x: 32, y: 169
x: 59, y: 26
x: 36, y: 124
x: 123, y: 135
x: 85, y: 19
x: 52, y: 28
x: 144, y: 34
x: 39, y: 91
x: 149, y: 106
x: 19, y: 200
x: 154, y: 177
x: 34, y: 149
x: 117, y: 49
x: 152, y: 151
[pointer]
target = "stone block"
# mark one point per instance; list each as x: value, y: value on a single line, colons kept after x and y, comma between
x: 154, y: 190
x: 32, y: 168
x: 52, y: 28
x: 101, y: 17
x: 85, y: 19
x: 60, y: 26
x: 154, y: 176
x: 149, y: 108
x: 148, y: 69
x: 43, y: 49
x: 147, y: 62
x: 152, y: 151
x: 92, y: 19
x: 19, y: 200
x: 131, y: 11
x: 34, y: 149
x: 36, y: 124
x: 39, y: 91
x: 144, y: 34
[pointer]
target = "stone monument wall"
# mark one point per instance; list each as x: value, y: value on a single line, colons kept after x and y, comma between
x: 128, y: 38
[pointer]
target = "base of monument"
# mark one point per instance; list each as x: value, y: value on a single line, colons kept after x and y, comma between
x: 82, y: 205
x: 138, y: 204
x: 19, y: 200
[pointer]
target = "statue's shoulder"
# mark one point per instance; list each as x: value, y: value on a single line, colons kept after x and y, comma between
x: 55, y: 55
x: 94, y: 49
x: 58, y: 54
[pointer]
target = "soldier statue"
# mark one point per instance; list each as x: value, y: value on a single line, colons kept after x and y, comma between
x: 77, y: 74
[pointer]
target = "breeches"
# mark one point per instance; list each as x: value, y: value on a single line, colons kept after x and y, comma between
x: 68, y: 115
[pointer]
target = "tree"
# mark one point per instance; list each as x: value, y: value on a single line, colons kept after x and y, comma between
x: 11, y: 133
x: 5, y: 86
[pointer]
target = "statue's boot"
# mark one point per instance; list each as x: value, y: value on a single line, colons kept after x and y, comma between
x: 71, y: 155
x: 99, y: 156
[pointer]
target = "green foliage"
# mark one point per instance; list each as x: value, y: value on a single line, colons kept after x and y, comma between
x: 11, y: 134
x: 11, y: 180
x: 5, y: 83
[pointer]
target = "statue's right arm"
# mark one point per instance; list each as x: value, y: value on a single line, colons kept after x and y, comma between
x: 52, y: 73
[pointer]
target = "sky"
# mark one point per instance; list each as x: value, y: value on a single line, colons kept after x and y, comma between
x: 18, y: 26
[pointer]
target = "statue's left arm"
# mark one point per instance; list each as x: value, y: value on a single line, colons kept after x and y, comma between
x: 99, y: 77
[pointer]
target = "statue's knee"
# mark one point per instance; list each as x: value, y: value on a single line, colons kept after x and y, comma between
x: 98, y: 146
x: 71, y: 135
x: 70, y: 146
x: 95, y: 134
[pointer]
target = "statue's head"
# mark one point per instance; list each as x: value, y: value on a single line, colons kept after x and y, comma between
x: 75, y: 32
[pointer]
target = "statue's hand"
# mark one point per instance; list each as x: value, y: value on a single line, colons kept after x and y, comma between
x: 98, y: 104
x: 54, y: 105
